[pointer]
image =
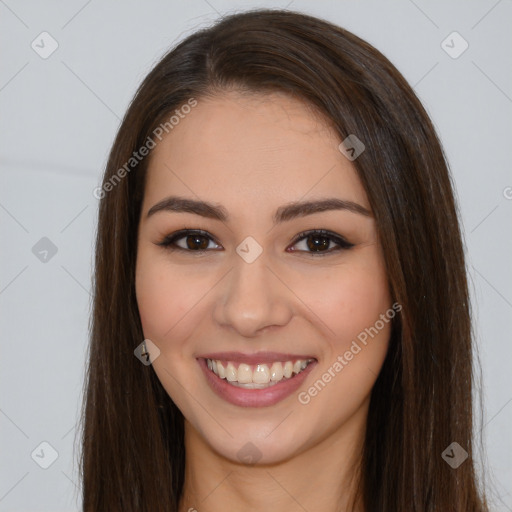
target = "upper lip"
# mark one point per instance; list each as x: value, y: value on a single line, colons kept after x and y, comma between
x: 255, y: 358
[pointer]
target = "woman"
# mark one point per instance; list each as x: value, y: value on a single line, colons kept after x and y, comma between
x: 279, y: 246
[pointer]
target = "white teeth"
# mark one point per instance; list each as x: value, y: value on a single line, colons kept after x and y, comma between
x: 221, y: 371
x: 276, y: 372
x: 244, y: 374
x: 261, y: 376
x: 231, y: 373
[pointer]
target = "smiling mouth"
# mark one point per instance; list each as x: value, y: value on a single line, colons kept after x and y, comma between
x: 257, y: 376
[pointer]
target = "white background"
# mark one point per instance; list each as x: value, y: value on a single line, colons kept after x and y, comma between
x: 58, y: 120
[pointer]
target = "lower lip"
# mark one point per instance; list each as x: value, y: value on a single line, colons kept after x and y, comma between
x: 254, y: 397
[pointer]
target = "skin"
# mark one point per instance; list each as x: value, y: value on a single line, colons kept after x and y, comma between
x: 252, y: 153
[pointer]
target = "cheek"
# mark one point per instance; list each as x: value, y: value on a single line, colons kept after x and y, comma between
x: 172, y: 299
x: 163, y: 297
x: 349, y: 299
x: 357, y: 346
x: 364, y: 298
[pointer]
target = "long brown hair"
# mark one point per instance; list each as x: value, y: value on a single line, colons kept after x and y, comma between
x: 132, y: 443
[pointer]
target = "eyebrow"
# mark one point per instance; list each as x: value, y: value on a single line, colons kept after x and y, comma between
x: 283, y: 213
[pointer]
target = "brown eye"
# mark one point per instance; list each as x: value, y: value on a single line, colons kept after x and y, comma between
x: 315, y: 242
x: 187, y: 240
x: 319, y: 242
x: 199, y: 242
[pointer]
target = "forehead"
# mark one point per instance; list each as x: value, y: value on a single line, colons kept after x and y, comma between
x: 243, y: 147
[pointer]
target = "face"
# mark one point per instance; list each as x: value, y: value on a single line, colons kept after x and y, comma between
x: 272, y: 319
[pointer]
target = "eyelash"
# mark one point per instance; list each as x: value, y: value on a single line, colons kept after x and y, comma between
x: 170, y: 240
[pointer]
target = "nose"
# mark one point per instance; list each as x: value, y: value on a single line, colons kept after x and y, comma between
x: 253, y: 299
